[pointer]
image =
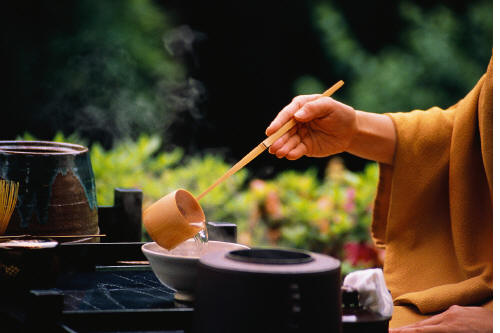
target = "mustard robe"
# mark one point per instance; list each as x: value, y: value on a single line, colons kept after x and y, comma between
x: 433, y: 211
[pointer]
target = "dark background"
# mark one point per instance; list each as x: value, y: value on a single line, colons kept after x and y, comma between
x: 245, y: 57
x: 252, y: 53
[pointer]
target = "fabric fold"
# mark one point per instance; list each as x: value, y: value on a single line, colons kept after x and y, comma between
x: 433, y: 208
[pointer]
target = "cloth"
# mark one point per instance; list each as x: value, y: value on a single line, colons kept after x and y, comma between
x: 373, y: 293
x: 433, y: 209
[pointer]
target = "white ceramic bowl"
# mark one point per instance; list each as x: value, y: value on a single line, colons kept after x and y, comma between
x: 178, y: 268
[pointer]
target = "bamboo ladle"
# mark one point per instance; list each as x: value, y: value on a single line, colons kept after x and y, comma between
x: 178, y: 216
x: 264, y: 145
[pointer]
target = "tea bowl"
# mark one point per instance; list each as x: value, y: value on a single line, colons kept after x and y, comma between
x: 178, y: 268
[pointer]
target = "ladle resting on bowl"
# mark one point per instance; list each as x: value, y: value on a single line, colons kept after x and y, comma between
x: 176, y: 217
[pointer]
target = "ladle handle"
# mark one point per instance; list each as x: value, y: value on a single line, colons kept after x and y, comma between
x: 264, y: 144
x: 279, y: 133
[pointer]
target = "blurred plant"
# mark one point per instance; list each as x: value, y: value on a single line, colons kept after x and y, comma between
x: 440, y: 56
x: 332, y: 216
x: 141, y: 165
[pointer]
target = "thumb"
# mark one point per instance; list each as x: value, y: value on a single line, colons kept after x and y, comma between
x: 315, y: 109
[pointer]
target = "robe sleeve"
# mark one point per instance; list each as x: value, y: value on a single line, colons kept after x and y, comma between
x: 433, y: 210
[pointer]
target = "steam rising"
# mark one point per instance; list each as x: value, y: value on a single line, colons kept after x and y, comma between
x: 112, y: 96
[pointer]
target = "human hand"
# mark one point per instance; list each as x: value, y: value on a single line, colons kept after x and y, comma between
x: 456, y: 319
x: 324, y: 127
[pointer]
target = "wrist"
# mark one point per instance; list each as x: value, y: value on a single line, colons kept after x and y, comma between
x: 374, y: 137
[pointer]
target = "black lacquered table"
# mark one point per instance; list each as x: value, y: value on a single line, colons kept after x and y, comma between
x: 114, y: 298
x: 120, y: 296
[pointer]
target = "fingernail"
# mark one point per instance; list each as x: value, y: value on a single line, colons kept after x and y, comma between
x: 300, y: 114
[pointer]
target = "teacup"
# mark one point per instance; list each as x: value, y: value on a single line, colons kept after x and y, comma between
x: 178, y: 269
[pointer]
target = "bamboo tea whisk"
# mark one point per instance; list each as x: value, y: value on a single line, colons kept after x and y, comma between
x: 8, y: 199
x: 264, y: 144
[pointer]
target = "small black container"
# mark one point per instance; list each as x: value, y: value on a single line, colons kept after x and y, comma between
x: 24, y: 268
x: 268, y: 290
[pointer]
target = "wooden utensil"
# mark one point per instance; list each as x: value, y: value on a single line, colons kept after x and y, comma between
x: 264, y: 145
x: 174, y: 218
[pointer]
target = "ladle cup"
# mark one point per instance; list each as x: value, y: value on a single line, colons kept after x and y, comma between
x: 174, y: 218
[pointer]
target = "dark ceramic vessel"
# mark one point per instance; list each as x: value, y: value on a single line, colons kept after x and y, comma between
x: 56, y: 188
